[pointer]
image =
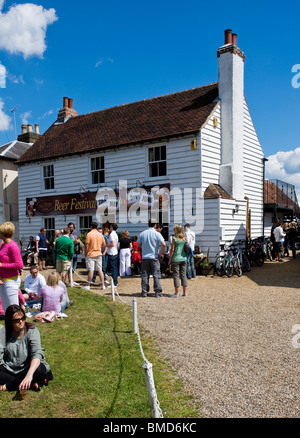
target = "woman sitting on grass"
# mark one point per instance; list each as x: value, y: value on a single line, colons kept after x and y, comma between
x: 52, y: 294
x: 22, y: 360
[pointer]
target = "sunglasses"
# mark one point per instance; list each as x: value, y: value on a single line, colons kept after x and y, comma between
x: 17, y: 320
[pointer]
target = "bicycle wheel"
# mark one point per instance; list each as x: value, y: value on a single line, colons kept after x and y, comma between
x: 228, y: 267
x: 237, y: 267
x: 259, y: 257
x: 219, y: 266
x: 246, y: 265
x: 269, y: 253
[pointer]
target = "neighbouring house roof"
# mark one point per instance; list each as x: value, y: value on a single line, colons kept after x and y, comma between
x: 273, y: 195
x: 162, y: 117
x: 214, y: 191
x: 14, y: 150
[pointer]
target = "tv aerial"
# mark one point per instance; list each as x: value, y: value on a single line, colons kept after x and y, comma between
x: 14, y: 112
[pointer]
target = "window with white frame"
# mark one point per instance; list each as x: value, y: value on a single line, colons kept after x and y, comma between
x: 48, y: 177
x: 84, y: 224
x: 97, y: 170
x: 49, y: 224
x: 157, y: 161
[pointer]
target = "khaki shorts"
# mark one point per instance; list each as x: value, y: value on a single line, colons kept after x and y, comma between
x: 63, y: 266
x: 94, y: 263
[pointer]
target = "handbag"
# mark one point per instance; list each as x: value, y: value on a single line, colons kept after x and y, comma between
x: 187, y: 248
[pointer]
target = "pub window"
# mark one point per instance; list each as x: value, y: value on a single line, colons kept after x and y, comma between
x: 84, y: 224
x: 49, y: 224
x: 48, y: 177
x: 97, y: 170
x: 157, y: 161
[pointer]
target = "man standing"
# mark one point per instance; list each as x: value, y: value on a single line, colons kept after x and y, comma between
x: 112, y: 251
x: 279, y: 239
x: 153, y: 246
x: 75, y: 239
x: 94, y: 243
x: 190, y: 238
x: 42, y: 248
x: 64, y: 247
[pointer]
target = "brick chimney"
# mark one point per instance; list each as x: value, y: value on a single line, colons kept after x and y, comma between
x: 67, y: 111
x: 28, y: 136
x: 231, y: 93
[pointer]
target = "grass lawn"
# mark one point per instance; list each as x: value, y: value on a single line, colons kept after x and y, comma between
x: 98, y: 368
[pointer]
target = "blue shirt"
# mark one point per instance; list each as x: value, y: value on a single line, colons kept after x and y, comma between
x: 151, y: 243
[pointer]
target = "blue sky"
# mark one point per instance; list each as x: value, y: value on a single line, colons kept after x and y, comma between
x: 103, y: 54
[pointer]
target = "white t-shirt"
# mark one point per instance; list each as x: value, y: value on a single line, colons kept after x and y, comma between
x: 113, y: 237
x: 190, y: 238
x: 32, y: 284
x: 279, y: 234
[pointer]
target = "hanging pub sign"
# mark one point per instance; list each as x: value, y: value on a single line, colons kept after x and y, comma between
x: 87, y: 202
x: 61, y: 205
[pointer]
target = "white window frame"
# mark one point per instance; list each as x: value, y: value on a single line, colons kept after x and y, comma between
x: 158, y: 161
x: 51, y: 230
x: 101, y: 156
x: 43, y: 178
x: 81, y: 230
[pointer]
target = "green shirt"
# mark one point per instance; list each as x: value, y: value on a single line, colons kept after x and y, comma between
x: 64, y: 247
x: 17, y: 354
x: 179, y: 254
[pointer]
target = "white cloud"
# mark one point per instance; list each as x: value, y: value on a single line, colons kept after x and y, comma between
x: 101, y: 61
x: 2, y: 76
x: 46, y: 114
x: 285, y: 166
x: 4, y: 118
x: 23, y: 29
x: 25, y: 117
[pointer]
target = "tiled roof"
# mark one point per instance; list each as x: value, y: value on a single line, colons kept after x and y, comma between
x: 14, y: 150
x: 215, y: 191
x: 274, y: 195
x: 151, y: 119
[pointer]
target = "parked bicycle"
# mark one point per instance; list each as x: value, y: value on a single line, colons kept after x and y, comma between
x: 229, y: 260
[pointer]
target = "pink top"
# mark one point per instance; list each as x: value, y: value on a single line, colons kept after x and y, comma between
x: 51, y: 298
x: 21, y: 302
x: 10, y: 257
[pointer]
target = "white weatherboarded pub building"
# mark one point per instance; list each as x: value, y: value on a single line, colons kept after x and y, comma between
x: 202, y: 138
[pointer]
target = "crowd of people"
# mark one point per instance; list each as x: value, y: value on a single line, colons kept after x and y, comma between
x: 22, y: 361
x: 284, y: 237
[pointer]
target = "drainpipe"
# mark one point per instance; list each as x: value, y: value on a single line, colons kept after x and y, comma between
x: 264, y: 171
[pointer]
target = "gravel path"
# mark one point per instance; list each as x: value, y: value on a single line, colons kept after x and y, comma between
x: 230, y: 340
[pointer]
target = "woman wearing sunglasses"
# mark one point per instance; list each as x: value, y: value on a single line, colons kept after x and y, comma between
x: 22, y: 360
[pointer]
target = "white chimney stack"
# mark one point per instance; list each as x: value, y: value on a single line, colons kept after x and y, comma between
x: 231, y: 94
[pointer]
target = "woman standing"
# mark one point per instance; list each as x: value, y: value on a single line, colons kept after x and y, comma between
x: 125, y: 246
x: 10, y: 264
x: 136, y: 256
x: 293, y: 234
x: 23, y: 364
x: 178, y: 260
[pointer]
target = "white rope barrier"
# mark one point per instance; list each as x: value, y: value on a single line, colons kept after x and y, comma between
x: 156, y: 411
